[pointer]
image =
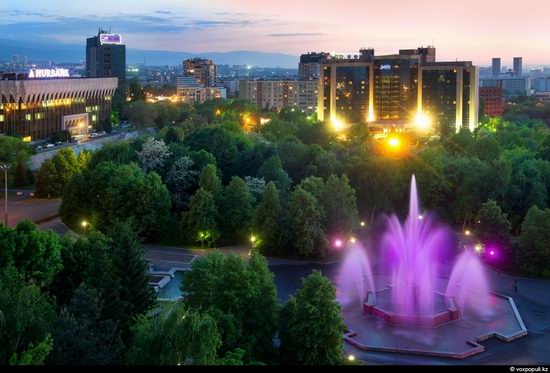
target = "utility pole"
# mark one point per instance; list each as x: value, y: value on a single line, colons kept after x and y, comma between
x: 5, y: 167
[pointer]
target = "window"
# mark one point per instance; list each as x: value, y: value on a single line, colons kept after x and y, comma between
x: 28, y: 117
x: 1, y: 117
x: 94, y: 118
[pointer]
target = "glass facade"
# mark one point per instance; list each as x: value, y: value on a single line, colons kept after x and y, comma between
x: 439, y: 98
x: 352, y: 93
x: 327, y: 74
x: 395, y: 89
x: 466, y: 79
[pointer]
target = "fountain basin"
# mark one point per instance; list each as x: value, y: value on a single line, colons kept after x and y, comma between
x: 379, y: 304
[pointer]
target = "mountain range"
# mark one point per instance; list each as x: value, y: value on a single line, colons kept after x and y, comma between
x: 56, y: 52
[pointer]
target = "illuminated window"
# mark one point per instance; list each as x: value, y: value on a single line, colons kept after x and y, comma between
x: 94, y: 118
x: 28, y: 117
x: 1, y: 118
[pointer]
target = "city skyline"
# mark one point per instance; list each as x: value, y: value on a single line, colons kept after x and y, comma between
x: 292, y: 28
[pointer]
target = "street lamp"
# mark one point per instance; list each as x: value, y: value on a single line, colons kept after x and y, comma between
x: 5, y: 167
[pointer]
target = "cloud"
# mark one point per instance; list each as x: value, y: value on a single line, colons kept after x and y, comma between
x: 296, y: 34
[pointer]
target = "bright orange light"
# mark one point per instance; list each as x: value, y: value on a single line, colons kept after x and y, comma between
x: 394, y: 142
x: 218, y: 112
x: 422, y: 121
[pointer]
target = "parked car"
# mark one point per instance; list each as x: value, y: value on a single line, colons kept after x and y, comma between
x: 50, y: 145
x: 39, y: 147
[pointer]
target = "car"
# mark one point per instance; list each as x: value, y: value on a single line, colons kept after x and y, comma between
x: 58, y: 143
x: 50, y: 145
x: 39, y: 147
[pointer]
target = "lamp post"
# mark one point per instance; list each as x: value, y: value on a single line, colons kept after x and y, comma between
x: 5, y: 167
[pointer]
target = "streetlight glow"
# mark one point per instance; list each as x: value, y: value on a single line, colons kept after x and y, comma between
x: 351, y: 358
x: 478, y: 248
x: 352, y: 240
x: 422, y: 121
x: 467, y: 232
x: 252, y: 239
x: 363, y: 224
x: 394, y: 142
x: 337, y: 124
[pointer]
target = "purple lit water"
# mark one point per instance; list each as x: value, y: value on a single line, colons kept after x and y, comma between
x: 413, y: 250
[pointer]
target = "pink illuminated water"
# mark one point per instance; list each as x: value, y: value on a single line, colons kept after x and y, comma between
x: 412, y: 250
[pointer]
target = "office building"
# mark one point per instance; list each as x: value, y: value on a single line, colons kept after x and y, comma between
x: 518, y: 66
x: 278, y: 94
x: 106, y: 56
x: 512, y: 86
x: 391, y: 92
x: 310, y: 65
x: 38, y: 105
x: 189, y: 91
x: 496, y: 67
x: 202, y: 70
x: 491, y: 99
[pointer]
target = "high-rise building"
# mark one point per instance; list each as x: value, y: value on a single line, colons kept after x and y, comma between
x: 106, y: 56
x: 518, y: 66
x: 393, y: 91
x: 189, y: 90
x: 310, y: 64
x: 491, y: 97
x: 512, y: 86
x: 496, y: 67
x: 202, y: 70
x: 279, y: 94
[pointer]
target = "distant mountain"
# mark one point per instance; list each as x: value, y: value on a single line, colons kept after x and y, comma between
x: 47, y: 50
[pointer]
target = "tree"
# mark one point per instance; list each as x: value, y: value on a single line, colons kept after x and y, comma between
x: 34, y: 355
x: 55, y: 173
x: 20, y: 177
x: 240, y: 296
x: 12, y: 151
x: 153, y: 155
x: 266, y: 220
x: 209, y: 180
x: 256, y: 186
x: 119, y: 152
x: 199, y: 221
x: 34, y: 253
x: 130, y: 269
x: 272, y: 170
x: 179, y: 180
x: 494, y: 227
x: 534, y: 241
x: 26, y: 315
x: 139, y: 113
x: 81, y: 337
x: 311, y: 325
x: 236, y: 209
x: 306, y: 232
x: 339, y: 206
x: 177, y: 336
x: 112, y: 192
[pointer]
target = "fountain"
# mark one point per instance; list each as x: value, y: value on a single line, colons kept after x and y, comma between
x: 413, y: 293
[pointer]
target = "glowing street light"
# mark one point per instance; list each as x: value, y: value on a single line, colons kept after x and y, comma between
x: 84, y: 224
x: 467, y: 232
x: 492, y: 253
x: 252, y: 239
x: 420, y: 217
x: 351, y: 358
x: 363, y: 223
x: 478, y: 248
x: 352, y: 240
x: 394, y: 143
x: 337, y: 124
x: 338, y: 243
x: 422, y: 121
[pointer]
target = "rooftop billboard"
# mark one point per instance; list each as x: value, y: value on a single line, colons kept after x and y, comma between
x: 110, y: 39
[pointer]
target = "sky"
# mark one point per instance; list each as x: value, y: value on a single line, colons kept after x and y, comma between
x: 475, y: 30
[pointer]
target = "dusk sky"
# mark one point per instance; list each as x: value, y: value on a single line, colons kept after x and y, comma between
x: 463, y: 29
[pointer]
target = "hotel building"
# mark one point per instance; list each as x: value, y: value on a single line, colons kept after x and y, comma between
x: 390, y: 92
x: 36, y: 108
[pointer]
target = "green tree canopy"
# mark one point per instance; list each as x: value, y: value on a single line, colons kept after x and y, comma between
x: 312, y: 328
